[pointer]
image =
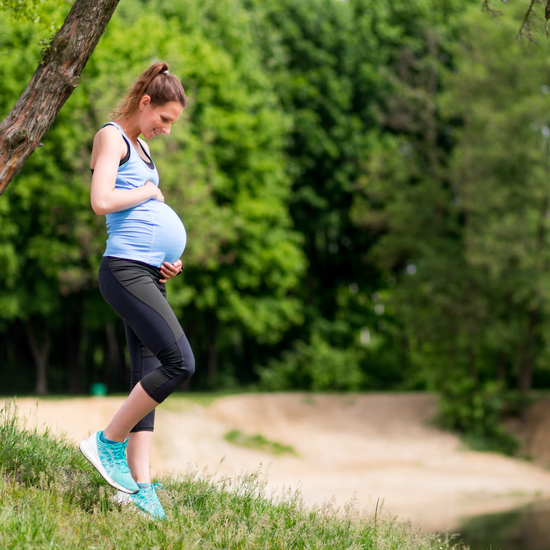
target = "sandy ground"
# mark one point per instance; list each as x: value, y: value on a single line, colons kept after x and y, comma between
x: 376, y: 446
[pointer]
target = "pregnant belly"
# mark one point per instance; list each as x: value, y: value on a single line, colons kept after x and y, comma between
x: 169, y: 237
x: 150, y: 233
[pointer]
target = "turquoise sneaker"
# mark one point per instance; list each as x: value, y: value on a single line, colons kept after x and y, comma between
x: 146, y: 500
x: 109, y: 459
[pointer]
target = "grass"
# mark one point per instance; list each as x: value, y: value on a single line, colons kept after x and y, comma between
x: 258, y: 441
x: 50, y: 498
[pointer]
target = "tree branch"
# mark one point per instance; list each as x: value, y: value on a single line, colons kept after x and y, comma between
x: 486, y: 6
x: 525, y: 29
x: 57, y: 75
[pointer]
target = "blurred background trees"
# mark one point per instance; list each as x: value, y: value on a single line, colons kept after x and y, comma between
x: 365, y: 188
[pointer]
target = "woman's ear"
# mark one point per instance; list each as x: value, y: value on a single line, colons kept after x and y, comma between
x: 144, y: 101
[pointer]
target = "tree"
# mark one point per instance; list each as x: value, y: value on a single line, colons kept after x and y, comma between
x: 500, y: 174
x: 337, y: 68
x: 460, y: 189
x: 49, y: 242
x: 57, y: 75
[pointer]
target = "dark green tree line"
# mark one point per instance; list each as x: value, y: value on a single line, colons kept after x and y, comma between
x: 465, y: 230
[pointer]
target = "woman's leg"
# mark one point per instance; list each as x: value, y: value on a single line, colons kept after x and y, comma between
x: 137, y: 405
x: 139, y: 455
x: 135, y: 293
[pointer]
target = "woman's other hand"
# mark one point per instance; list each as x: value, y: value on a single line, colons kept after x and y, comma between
x: 168, y: 270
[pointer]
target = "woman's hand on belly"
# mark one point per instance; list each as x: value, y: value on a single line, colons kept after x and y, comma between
x: 157, y: 193
x: 168, y: 270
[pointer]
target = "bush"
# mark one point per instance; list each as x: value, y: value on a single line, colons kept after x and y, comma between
x: 315, y: 366
x: 475, y: 409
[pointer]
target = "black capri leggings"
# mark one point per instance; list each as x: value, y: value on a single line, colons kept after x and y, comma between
x: 160, y: 355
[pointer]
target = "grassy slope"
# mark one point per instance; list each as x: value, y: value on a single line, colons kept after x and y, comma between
x: 51, y: 498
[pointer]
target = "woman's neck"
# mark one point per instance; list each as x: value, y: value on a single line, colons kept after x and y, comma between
x: 131, y: 127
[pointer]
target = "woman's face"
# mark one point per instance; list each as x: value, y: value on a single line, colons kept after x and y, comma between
x: 157, y: 119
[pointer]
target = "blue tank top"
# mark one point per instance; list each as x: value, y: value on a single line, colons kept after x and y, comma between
x: 151, y: 232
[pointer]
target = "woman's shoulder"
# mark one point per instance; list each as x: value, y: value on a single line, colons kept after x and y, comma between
x: 108, y: 135
x: 109, y: 142
x: 108, y: 129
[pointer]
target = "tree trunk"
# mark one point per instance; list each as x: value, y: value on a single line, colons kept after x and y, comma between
x: 501, y: 370
x: 525, y: 375
x: 40, y: 354
x: 57, y: 75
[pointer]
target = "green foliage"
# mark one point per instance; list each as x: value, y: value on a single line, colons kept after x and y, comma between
x: 70, y: 510
x: 475, y: 411
x: 314, y: 366
x: 457, y: 192
x: 503, y: 190
x: 48, y: 15
x: 499, y: 180
x: 322, y: 55
x: 358, y: 79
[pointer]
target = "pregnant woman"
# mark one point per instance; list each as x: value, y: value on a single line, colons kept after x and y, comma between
x: 146, y: 240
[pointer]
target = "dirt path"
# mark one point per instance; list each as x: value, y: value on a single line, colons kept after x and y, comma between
x: 379, y: 446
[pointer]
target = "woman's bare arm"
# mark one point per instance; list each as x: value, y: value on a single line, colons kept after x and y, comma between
x: 108, y: 149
